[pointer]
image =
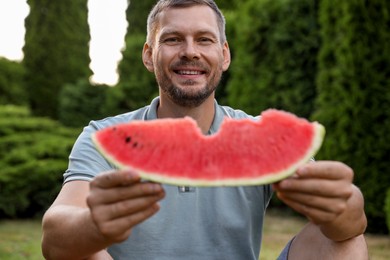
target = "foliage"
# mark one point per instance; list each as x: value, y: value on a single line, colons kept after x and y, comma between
x: 33, y: 154
x: 354, y: 95
x: 81, y: 102
x: 12, y: 89
x: 56, y: 51
x: 387, y: 208
x: 137, y: 85
x: 229, y: 4
x: 274, y: 63
x: 137, y: 13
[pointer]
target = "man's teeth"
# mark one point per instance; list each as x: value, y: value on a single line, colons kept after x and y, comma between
x: 189, y: 72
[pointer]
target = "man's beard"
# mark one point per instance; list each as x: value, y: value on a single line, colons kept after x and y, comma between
x: 186, y: 97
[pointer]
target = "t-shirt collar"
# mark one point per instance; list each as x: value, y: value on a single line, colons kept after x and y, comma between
x: 220, y: 113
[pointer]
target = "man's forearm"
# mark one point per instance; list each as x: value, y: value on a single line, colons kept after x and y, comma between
x: 69, y: 233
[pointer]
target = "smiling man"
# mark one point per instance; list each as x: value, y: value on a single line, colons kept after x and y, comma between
x: 105, y: 213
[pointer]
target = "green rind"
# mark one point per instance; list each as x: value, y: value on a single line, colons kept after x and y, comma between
x: 319, y: 133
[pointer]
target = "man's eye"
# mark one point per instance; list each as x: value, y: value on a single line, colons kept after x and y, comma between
x: 205, y: 40
x: 171, y: 40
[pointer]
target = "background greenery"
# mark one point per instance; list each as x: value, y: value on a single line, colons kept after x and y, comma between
x: 326, y: 60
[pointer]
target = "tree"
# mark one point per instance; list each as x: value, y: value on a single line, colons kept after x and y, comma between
x: 354, y: 95
x: 137, y: 86
x: 12, y: 90
x: 137, y: 13
x: 56, y: 50
x: 274, y: 62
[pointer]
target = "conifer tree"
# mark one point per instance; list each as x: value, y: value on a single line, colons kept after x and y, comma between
x: 56, y: 51
x: 354, y: 95
x: 137, y: 86
x: 274, y: 58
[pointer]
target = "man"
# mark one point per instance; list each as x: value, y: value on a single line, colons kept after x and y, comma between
x: 103, y: 213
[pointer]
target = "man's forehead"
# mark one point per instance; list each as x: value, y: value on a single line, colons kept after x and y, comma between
x: 200, y: 16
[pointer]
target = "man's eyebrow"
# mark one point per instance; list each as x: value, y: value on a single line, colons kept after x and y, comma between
x: 168, y: 31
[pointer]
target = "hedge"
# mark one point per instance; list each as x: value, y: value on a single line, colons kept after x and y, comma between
x: 82, y: 102
x: 12, y: 89
x: 33, y: 156
x: 387, y: 208
x: 274, y: 62
x: 354, y: 95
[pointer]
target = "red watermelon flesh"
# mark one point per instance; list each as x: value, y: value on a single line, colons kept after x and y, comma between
x: 242, y: 152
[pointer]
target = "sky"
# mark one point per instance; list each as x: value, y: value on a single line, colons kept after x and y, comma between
x: 108, y: 25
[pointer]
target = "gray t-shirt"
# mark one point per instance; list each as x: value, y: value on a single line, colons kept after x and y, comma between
x: 193, y: 223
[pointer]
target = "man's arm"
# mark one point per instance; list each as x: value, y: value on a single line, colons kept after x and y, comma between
x: 87, y: 217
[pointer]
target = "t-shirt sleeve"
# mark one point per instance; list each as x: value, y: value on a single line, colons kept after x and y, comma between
x: 85, y: 161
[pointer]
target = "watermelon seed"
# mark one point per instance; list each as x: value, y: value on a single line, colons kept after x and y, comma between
x: 128, y: 139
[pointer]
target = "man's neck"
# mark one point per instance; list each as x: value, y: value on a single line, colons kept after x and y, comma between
x: 203, y: 114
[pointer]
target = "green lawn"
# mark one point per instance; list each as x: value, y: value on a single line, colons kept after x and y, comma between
x: 20, y: 239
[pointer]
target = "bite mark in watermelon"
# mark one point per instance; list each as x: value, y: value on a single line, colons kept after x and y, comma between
x: 242, y: 152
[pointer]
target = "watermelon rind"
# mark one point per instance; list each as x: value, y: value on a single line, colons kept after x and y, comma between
x: 266, y: 178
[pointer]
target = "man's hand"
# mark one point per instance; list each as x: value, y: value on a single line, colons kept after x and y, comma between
x: 118, y: 201
x: 324, y: 193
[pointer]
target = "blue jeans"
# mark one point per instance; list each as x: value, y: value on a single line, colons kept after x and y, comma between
x: 284, y: 254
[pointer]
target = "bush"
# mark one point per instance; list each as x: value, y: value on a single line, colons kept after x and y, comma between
x: 354, y: 95
x: 12, y: 90
x: 82, y: 102
x: 387, y: 209
x: 275, y: 52
x: 137, y: 86
x: 33, y: 154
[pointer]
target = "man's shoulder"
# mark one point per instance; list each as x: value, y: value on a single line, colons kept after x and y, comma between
x: 119, y: 119
x: 236, y: 113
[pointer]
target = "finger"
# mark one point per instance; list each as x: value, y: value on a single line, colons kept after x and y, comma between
x: 115, y: 178
x: 129, y: 207
x: 314, y: 214
x: 107, y: 196
x: 109, y: 212
x: 119, y: 229
x: 330, y: 205
x: 318, y: 187
x: 331, y: 170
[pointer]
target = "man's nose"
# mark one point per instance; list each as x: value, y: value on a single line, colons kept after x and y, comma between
x: 190, y: 51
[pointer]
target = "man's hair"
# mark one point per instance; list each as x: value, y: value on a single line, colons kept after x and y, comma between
x: 162, y: 5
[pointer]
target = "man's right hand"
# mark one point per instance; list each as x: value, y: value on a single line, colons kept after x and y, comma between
x: 119, y: 200
x: 87, y: 217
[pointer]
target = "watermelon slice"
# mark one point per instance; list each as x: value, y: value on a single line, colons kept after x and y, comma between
x: 242, y: 152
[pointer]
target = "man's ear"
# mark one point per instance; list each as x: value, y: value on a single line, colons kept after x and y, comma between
x: 147, y: 57
x: 226, y: 56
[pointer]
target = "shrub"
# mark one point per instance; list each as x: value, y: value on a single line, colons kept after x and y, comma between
x: 137, y: 85
x: 274, y: 63
x: 354, y: 95
x: 81, y: 102
x: 12, y: 90
x: 33, y: 154
x: 387, y: 209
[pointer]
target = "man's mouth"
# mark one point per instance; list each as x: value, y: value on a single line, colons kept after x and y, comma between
x: 189, y: 72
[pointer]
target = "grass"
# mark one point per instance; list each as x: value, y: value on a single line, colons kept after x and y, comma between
x: 20, y: 239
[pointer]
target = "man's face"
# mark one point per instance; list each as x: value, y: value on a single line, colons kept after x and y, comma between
x: 187, y: 56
